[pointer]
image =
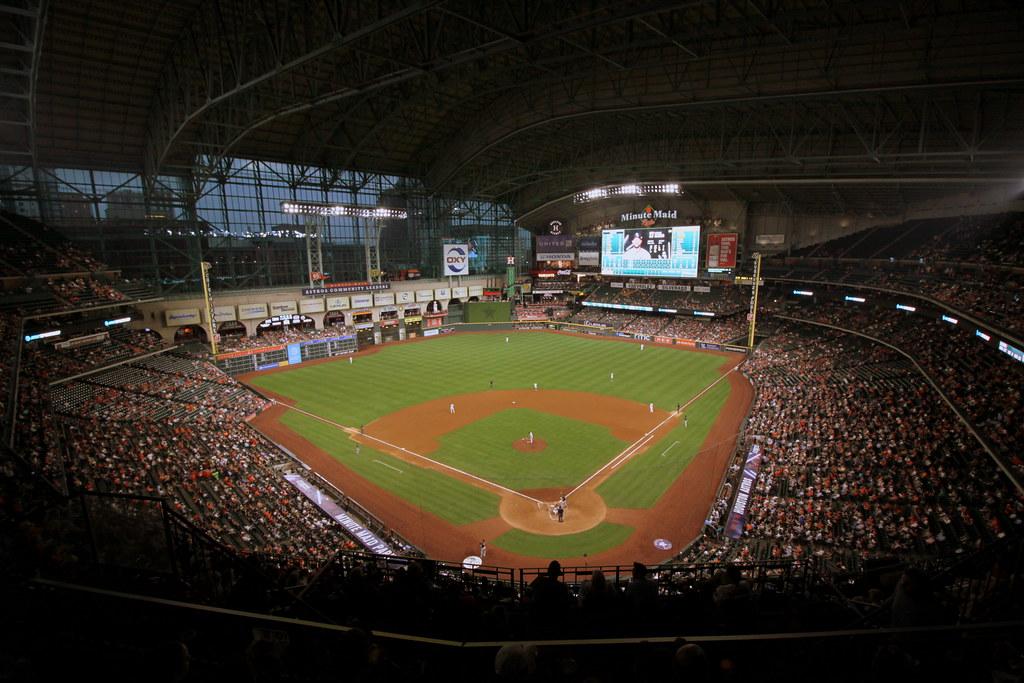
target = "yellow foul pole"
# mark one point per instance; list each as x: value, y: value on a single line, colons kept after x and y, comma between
x: 753, y: 300
x: 209, y: 310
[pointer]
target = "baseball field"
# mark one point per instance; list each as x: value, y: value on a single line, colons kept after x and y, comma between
x: 476, y: 436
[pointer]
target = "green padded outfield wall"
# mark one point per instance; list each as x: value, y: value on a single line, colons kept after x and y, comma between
x: 488, y: 312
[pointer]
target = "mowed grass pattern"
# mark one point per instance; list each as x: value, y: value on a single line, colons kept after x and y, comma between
x: 645, y: 478
x: 451, y: 499
x: 574, y: 449
x: 406, y: 374
x: 604, y: 536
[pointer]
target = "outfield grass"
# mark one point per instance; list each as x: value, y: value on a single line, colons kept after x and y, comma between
x: 645, y: 478
x: 574, y: 449
x: 604, y: 536
x: 407, y: 374
x: 451, y: 499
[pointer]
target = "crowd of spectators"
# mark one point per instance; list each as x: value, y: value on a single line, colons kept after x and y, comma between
x: 10, y: 328
x: 721, y: 299
x: 645, y: 324
x: 215, y: 471
x: 85, y: 291
x: 985, y: 384
x: 554, y: 310
x: 997, y: 239
x: 49, y: 363
x: 994, y: 293
x: 45, y: 261
x: 860, y: 460
x: 602, y: 317
x: 715, y: 330
x: 283, y: 335
x: 28, y: 247
x: 175, y: 427
x: 972, y: 265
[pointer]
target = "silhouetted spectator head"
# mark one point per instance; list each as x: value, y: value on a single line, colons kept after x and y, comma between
x: 554, y: 569
x: 691, y: 663
x: 516, y: 662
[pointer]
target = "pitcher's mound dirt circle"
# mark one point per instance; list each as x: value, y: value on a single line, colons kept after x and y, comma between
x: 525, y: 446
x: 586, y: 510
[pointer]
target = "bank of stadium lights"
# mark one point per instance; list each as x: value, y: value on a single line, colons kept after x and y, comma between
x: 314, y: 209
x: 630, y: 190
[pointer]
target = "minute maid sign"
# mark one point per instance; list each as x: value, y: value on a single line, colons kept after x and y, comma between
x: 649, y: 216
x: 456, y: 259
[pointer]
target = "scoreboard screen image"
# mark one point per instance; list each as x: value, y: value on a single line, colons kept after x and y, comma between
x: 651, y: 252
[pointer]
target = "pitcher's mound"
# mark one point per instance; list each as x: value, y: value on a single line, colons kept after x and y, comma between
x: 524, y: 445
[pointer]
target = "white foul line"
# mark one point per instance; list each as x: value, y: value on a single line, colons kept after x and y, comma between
x: 381, y: 462
x: 674, y: 444
x: 642, y: 441
x: 351, y: 430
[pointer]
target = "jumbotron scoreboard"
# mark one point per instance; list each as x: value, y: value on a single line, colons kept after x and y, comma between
x: 670, y: 252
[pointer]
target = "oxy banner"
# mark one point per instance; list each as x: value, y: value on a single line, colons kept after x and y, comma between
x: 455, y: 259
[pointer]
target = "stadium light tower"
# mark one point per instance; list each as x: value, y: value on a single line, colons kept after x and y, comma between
x: 317, y: 215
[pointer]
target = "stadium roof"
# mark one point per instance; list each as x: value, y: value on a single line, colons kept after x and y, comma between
x: 846, y: 104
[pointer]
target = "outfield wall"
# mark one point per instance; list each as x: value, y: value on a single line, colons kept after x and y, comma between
x: 280, y: 355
